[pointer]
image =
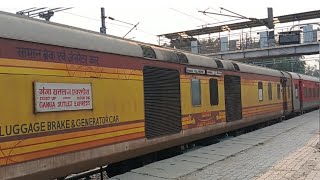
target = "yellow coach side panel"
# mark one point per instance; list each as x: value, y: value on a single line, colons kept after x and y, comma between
x: 251, y: 104
x: 205, y: 114
x: 27, y: 135
x: 110, y: 97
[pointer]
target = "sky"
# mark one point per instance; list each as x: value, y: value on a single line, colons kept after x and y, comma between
x: 155, y: 17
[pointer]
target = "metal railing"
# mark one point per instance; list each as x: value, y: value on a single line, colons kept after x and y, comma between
x: 246, y: 40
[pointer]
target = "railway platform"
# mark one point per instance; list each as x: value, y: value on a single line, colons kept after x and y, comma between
x: 286, y: 150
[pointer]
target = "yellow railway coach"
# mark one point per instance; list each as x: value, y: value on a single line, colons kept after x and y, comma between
x: 72, y: 99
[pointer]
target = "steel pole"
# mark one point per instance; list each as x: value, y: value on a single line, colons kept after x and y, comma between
x: 103, y: 28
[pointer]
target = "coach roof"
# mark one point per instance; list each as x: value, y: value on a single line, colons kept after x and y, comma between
x: 28, y: 29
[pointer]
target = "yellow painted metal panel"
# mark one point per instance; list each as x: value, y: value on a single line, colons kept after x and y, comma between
x: 111, y: 97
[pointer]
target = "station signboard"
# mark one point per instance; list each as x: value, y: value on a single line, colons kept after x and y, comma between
x: 51, y: 97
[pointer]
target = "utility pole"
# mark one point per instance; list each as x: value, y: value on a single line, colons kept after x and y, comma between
x: 103, y: 29
x: 270, y: 23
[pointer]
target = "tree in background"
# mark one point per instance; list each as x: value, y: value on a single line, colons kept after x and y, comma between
x: 312, y: 71
x: 290, y: 64
x: 293, y: 64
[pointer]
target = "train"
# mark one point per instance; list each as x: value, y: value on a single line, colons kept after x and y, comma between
x: 73, y: 99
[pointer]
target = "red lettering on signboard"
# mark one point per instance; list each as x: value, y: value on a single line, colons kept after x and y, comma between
x: 62, y: 97
x: 47, y: 105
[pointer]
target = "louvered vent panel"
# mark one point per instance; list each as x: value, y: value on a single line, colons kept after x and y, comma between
x: 148, y: 52
x: 219, y: 63
x: 232, y: 87
x: 182, y: 58
x: 162, y: 101
x: 236, y: 67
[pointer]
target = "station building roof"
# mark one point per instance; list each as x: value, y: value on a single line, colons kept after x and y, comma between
x: 246, y: 24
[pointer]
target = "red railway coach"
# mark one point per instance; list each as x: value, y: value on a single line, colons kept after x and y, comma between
x: 73, y: 99
x: 306, y: 92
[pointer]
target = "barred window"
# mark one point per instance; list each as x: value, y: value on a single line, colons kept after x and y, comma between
x: 214, y: 95
x: 296, y: 91
x: 278, y: 91
x: 196, y: 92
x: 260, y: 91
x: 305, y: 92
x: 270, y: 91
x: 310, y: 92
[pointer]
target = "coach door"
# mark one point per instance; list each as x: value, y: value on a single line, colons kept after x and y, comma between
x: 301, y: 93
x: 283, y: 82
x: 161, y: 101
x: 233, y: 103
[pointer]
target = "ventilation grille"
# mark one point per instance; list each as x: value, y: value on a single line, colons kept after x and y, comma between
x: 148, y: 52
x: 219, y: 63
x: 162, y: 101
x: 232, y: 87
x: 182, y: 58
x: 236, y: 67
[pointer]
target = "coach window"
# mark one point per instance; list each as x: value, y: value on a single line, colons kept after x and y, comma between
x: 196, y: 92
x: 214, y: 96
x: 314, y: 92
x: 278, y: 91
x: 305, y: 92
x: 260, y: 91
x: 310, y: 92
x: 296, y: 91
x: 270, y: 91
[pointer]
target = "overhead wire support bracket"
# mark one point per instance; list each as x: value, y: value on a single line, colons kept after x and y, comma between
x: 113, y: 19
x: 206, y: 12
x: 42, y: 12
x: 28, y: 12
x: 134, y: 25
x: 131, y: 29
x: 235, y: 16
x: 244, y: 17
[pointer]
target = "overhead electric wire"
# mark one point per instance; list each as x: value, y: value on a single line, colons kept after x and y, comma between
x: 211, y: 17
x: 189, y: 15
x: 219, y: 21
x: 115, y: 24
x: 210, y: 24
x: 86, y: 17
x: 218, y: 10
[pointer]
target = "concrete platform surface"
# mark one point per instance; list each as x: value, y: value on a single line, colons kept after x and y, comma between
x: 281, y: 151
